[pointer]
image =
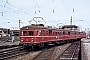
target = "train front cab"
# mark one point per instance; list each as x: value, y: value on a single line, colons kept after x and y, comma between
x: 27, y: 37
x: 33, y: 37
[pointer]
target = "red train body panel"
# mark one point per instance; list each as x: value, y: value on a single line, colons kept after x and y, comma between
x: 34, y: 35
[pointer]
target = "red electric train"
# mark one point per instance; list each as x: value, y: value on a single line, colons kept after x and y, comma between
x: 39, y: 35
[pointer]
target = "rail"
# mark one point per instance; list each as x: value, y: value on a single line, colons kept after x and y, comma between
x: 11, y: 52
x: 45, y: 54
x: 69, y: 52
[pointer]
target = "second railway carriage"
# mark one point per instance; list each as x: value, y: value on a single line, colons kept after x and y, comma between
x: 38, y: 35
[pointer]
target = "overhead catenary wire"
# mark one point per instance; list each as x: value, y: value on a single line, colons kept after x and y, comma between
x: 41, y: 9
x: 38, y: 5
x: 27, y: 3
x: 72, y: 5
x: 66, y: 7
x: 13, y: 10
x: 17, y: 8
x: 4, y: 13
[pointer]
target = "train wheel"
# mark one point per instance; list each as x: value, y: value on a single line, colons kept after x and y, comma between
x: 46, y: 45
x: 24, y: 47
x: 32, y: 48
x: 41, y: 45
x: 35, y: 47
x: 57, y: 43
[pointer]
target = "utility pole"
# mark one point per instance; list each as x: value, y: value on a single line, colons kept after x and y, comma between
x: 19, y: 23
x: 71, y: 20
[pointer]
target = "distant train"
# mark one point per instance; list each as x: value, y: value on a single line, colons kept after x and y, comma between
x: 37, y: 35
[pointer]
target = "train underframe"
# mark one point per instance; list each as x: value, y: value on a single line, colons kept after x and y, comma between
x: 36, y: 46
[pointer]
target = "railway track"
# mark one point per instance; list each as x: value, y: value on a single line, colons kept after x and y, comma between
x: 51, y: 53
x: 71, y: 53
x: 11, y: 52
x: 65, y: 52
x: 45, y: 54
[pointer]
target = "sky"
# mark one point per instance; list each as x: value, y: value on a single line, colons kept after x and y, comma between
x: 54, y: 12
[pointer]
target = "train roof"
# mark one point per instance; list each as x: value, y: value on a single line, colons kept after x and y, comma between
x: 41, y: 26
x: 35, y: 27
x: 69, y: 26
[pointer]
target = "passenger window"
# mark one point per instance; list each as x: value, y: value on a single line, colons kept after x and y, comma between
x: 56, y: 33
x: 47, y: 33
x: 53, y: 33
x: 39, y: 33
x: 24, y: 33
x: 30, y: 33
x: 69, y: 33
x: 42, y: 32
x: 63, y: 32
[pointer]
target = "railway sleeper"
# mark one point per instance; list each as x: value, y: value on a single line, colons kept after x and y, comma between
x: 9, y: 56
x: 10, y: 53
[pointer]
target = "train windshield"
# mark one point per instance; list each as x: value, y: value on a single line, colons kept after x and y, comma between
x: 27, y: 33
x: 24, y: 33
x: 30, y: 33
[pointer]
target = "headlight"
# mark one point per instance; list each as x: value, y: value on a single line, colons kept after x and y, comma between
x: 31, y: 40
x: 22, y: 40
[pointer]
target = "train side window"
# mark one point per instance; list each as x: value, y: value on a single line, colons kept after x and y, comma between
x: 53, y: 33
x: 42, y: 32
x: 69, y: 33
x: 75, y: 33
x: 30, y: 33
x: 58, y: 34
x: 47, y: 33
x: 24, y: 33
x: 39, y: 33
x: 63, y: 32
